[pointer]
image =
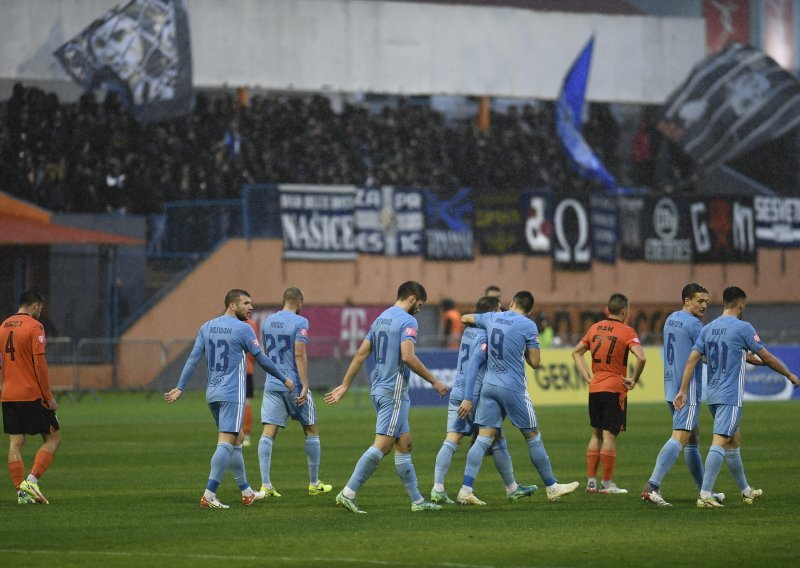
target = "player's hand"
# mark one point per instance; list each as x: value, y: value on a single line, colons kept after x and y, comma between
x: 335, y: 395
x: 301, y: 400
x: 794, y: 380
x: 754, y: 359
x: 628, y: 383
x: 464, y: 409
x: 52, y: 404
x: 289, y: 384
x: 173, y: 395
x: 680, y: 400
x: 441, y: 388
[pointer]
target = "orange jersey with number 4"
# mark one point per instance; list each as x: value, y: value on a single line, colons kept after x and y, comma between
x: 21, y: 340
x: 609, y: 342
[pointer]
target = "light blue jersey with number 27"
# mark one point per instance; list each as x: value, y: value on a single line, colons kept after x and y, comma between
x: 388, y: 331
x: 510, y: 335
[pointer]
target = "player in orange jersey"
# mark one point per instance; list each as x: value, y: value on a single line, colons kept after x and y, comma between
x: 28, y: 404
x: 609, y: 341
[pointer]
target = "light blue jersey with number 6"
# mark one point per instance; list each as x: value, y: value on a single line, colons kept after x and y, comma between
x: 510, y: 335
x: 680, y: 332
x: 388, y: 331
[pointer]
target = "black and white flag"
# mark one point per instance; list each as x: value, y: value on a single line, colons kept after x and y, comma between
x: 731, y: 102
x: 141, y: 51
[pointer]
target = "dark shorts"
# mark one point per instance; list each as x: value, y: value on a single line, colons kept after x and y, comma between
x: 248, y: 389
x: 608, y: 411
x: 29, y: 417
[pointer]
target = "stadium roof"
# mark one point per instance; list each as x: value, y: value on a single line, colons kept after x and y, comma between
x: 581, y: 6
x: 27, y: 231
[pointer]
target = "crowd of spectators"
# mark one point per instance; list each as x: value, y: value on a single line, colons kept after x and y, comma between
x: 91, y: 156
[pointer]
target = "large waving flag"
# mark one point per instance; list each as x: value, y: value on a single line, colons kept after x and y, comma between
x: 142, y: 52
x: 568, y: 121
x: 730, y: 103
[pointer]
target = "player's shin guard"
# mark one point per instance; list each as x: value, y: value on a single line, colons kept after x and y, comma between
x: 713, y: 464
x: 408, y: 475
x: 313, y: 451
x: 694, y: 463
x: 17, y: 471
x: 503, y: 463
x: 265, y: 458
x: 41, y: 462
x: 540, y: 459
x: 608, y: 461
x: 220, y: 462
x: 734, y: 460
x: 665, y: 460
x: 238, y: 469
x: 365, y: 467
x: 592, y: 463
x: 475, y: 458
x: 443, y: 460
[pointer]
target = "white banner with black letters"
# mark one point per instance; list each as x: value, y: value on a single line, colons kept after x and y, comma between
x: 572, y: 235
x: 777, y: 221
x: 318, y: 222
x: 389, y: 221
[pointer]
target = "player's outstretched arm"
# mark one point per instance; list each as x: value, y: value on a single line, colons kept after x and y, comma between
x: 580, y: 362
x: 688, y: 371
x: 173, y: 395
x: 641, y: 360
x: 188, y: 368
x: 361, y: 355
x: 777, y: 365
x: 468, y: 319
x: 409, y: 355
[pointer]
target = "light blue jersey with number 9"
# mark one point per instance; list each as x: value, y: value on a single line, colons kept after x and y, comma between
x: 388, y: 331
x: 509, y: 335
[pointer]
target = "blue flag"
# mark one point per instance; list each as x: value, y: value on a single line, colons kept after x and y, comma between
x: 568, y: 121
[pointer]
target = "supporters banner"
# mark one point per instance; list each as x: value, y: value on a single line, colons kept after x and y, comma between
x: 604, y: 215
x: 538, y: 212
x: 448, y: 226
x: 572, y: 235
x: 723, y: 229
x: 569, y: 107
x: 730, y: 103
x: 631, y: 228
x: 667, y: 230
x: 389, y: 221
x: 140, y: 51
x: 726, y: 22
x: 777, y: 221
x: 318, y: 222
x: 498, y: 222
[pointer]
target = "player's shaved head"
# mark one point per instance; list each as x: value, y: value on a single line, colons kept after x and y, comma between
x: 617, y: 303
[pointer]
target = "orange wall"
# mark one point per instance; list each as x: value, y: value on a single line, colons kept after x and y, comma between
x: 257, y: 266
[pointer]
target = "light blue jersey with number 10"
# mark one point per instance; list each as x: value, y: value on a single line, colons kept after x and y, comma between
x: 388, y: 331
x: 510, y: 335
x: 225, y: 340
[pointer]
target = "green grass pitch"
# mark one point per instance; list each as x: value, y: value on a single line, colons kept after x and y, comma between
x: 125, y: 486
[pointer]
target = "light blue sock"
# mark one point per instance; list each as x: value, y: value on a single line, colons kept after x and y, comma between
x: 220, y: 462
x: 664, y: 462
x: 694, y: 462
x: 237, y: 468
x: 313, y: 451
x: 713, y: 464
x: 443, y: 460
x: 502, y: 461
x: 265, y: 458
x: 365, y: 467
x: 407, y: 474
x: 734, y: 460
x: 475, y: 458
x: 540, y: 459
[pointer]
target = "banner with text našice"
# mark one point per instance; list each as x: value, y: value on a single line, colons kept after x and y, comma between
x: 318, y: 222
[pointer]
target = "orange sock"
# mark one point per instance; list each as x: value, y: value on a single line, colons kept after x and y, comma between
x: 41, y: 462
x: 592, y: 461
x: 608, y: 459
x: 248, y: 418
x: 17, y: 471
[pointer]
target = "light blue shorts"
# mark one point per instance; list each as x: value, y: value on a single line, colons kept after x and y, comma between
x: 228, y: 416
x: 496, y: 403
x: 726, y: 418
x: 459, y: 425
x: 686, y: 418
x: 392, y: 415
x: 277, y: 407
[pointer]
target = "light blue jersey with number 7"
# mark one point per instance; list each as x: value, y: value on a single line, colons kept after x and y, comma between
x: 388, y: 331
x: 510, y: 335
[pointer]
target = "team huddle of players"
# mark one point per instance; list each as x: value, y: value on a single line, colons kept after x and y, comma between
x: 490, y: 386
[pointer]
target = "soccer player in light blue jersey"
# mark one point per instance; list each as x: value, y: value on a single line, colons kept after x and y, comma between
x: 681, y: 330
x: 285, y: 335
x: 725, y: 343
x: 226, y: 340
x: 470, y: 369
x: 512, y: 341
x: 391, y: 342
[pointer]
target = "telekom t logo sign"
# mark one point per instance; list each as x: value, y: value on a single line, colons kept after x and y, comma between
x: 353, y: 328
